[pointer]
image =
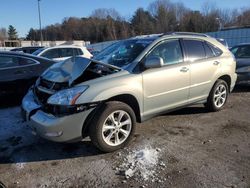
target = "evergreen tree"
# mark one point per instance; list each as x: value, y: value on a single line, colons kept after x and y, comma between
x: 12, y: 33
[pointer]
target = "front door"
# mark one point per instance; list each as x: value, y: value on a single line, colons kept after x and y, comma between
x: 166, y: 87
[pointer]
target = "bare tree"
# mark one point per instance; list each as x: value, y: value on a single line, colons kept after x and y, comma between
x: 103, y: 13
x: 244, y: 18
x: 164, y: 14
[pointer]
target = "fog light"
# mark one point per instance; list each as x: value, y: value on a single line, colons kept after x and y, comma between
x: 54, y: 134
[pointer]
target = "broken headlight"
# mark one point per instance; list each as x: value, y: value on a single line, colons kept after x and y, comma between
x: 67, y: 96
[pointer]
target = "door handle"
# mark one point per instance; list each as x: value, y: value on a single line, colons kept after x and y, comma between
x: 216, y: 63
x: 184, y: 69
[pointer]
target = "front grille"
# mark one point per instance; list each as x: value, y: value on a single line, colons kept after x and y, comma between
x: 41, y: 96
x: 56, y: 86
x: 46, y: 84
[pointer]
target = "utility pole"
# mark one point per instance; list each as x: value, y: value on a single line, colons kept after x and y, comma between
x: 40, y: 23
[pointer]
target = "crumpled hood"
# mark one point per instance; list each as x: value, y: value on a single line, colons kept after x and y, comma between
x: 70, y: 69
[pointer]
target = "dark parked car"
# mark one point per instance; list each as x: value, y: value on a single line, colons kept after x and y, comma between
x: 28, y: 49
x: 242, y: 55
x: 19, y: 71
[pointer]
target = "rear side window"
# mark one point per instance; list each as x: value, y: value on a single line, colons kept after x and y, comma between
x: 52, y: 53
x: 77, y: 51
x: 216, y: 50
x: 24, y: 61
x: 66, y: 52
x: 195, y: 49
x: 80, y: 52
x: 208, y: 50
x: 8, y: 61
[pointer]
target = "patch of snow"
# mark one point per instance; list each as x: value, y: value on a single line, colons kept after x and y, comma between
x: 141, y: 163
x: 19, y: 166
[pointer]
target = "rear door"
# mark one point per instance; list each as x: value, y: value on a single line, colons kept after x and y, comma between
x: 204, y: 66
x: 166, y: 87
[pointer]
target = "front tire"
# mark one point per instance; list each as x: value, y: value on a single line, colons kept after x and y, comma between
x: 113, y: 126
x: 218, y: 96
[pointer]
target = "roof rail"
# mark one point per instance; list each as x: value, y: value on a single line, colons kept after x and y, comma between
x: 146, y: 36
x: 187, y: 33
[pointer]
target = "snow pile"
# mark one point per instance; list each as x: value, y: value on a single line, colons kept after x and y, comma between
x: 141, y: 164
x: 19, y: 166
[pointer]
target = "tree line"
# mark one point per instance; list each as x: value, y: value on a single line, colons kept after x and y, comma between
x: 161, y: 16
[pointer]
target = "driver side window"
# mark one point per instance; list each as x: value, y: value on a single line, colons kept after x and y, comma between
x: 169, y: 51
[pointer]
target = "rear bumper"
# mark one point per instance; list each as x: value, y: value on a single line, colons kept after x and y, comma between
x: 243, y: 78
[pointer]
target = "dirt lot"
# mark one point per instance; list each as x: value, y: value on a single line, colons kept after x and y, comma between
x: 187, y: 148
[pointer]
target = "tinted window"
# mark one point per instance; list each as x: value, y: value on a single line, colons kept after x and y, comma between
x: 208, y: 50
x: 52, y: 53
x: 8, y: 61
x: 194, y: 49
x: 24, y: 61
x: 66, y: 52
x: 80, y: 52
x: 243, y: 52
x: 77, y: 51
x: 234, y: 50
x: 216, y: 50
x: 38, y: 51
x: 169, y: 51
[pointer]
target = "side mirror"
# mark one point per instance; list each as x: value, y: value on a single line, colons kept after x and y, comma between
x: 154, y: 62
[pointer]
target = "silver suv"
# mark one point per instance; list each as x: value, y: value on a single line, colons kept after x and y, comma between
x: 130, y: 81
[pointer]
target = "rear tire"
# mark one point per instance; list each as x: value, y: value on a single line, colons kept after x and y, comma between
x: 113, y: 126
x: 218, y: 96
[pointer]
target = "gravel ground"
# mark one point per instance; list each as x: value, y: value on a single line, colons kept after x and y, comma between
x: 186, y: 148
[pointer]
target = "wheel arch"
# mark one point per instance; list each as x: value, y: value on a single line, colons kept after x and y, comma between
x: 125, y: 98
x: 227, y: 79
x: 129, y: 100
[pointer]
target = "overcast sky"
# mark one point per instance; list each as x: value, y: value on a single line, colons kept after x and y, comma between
x: 23, y: 14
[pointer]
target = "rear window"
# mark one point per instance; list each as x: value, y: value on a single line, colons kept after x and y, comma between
x: 243, y: 52
x: 195, y: 49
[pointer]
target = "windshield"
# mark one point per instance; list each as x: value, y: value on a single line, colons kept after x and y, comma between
x: 122, y: 53
x: 38, y: 51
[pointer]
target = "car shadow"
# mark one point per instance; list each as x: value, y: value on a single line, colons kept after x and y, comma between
x: 42, y: 150
x: 10, y: 101
x: 189, y: 111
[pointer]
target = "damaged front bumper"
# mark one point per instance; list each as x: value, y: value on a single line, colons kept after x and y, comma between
x: 64, y: 128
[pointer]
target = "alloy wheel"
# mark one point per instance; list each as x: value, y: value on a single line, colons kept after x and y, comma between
x: 220, y: 95
x: 116, y: 128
